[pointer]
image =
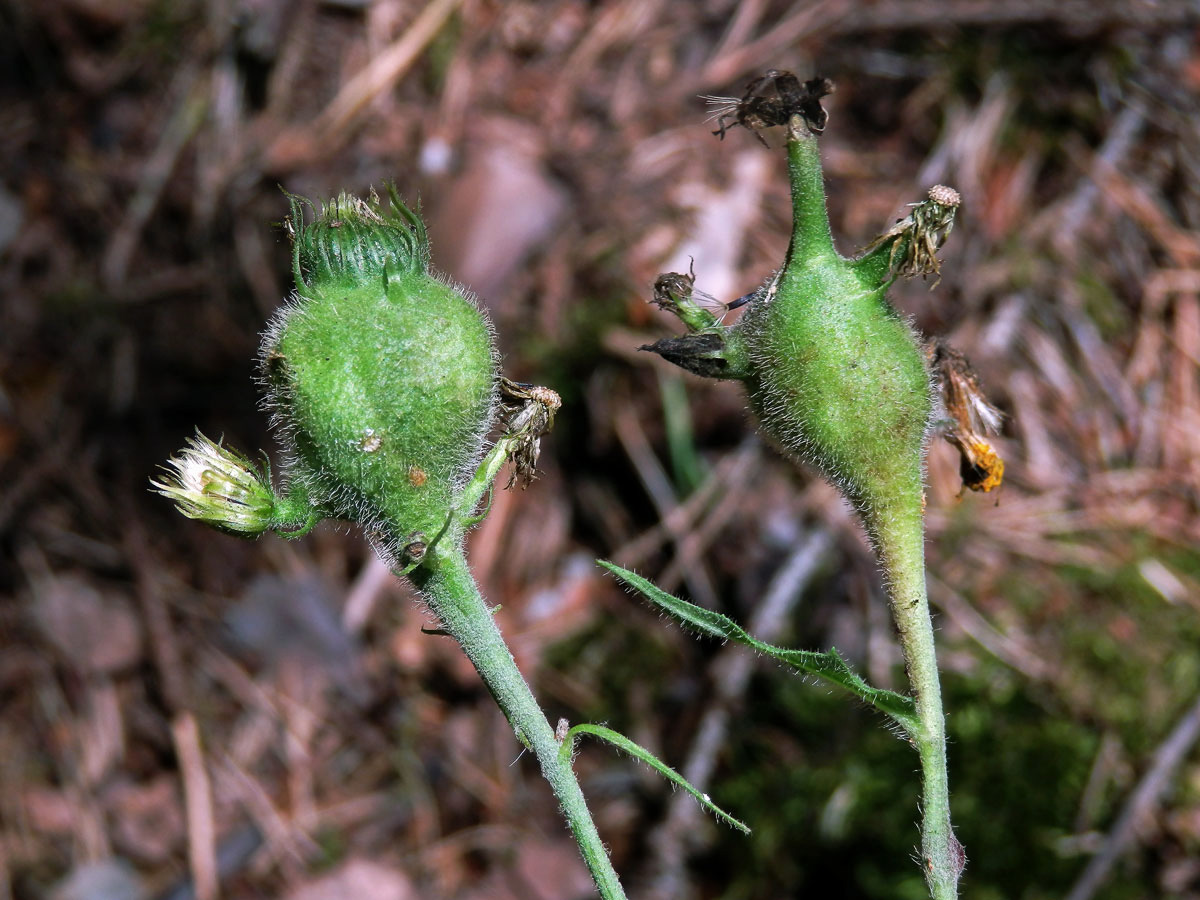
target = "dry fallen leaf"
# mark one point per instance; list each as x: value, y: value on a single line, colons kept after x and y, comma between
x: 360, y: 879
x: 95, y: 632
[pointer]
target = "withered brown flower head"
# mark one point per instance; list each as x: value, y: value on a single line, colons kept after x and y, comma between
x: 527, y: 423
x: 921, y: 234
x: 772, y: 99
x: 972, y: 418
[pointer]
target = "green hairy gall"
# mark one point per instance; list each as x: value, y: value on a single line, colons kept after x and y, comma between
x: 836, y: 376
x: 381, y: 376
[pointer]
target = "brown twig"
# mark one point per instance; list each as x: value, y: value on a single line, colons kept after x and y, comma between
x: 731, y: 62
x: 197, y: 793
x: 334, y: 126
x: 181, y: 127
x: 727, y: 473
x: 1118, y: 143
x: 690, y: 550
x: 185, y: 734
x: 373, y: 581
x: 1010, y: 650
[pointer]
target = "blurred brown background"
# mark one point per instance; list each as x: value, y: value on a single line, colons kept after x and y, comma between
x: 187, y: 715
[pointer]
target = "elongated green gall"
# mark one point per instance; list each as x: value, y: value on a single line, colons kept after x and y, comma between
x: 837, y: 376
x: 381, y: 375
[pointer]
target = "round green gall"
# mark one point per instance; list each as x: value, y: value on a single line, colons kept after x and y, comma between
x: 382, y: 376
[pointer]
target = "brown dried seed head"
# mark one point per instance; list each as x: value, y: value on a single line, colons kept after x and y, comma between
x: 972, y: 412
x: 972, y: 417
x: 672, y: 287
x: 545, y: 396
x: 944, y: 195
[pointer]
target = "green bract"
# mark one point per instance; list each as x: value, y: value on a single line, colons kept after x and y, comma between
x: 381, y: 375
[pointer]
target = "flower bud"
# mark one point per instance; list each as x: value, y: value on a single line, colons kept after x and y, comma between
x: 381, y: 375
x: 219, y: 486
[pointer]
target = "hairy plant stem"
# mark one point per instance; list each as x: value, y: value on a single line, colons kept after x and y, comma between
x: 451, y: 592
x: 812, y: 238
x: 899, y: 537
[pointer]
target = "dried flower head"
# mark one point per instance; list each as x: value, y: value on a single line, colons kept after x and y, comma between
x: 219, y: 486
x: 526, y: 424
x: 677, y: 293
x: 917, y: 237
x: 972, y: 418
x: 772, y: 99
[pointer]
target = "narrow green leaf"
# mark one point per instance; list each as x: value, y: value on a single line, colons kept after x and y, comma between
x: 829, y: 666
x: 621, y: 742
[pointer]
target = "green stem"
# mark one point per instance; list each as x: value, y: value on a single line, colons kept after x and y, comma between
x: 899, y: 538
x: 812, y: 240
x: 294, y: 515
x: 485, y: 476
x: 451, y: 592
